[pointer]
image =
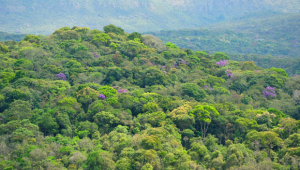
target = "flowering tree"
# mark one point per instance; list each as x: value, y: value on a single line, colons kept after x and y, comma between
x: 269, y: 91
x: 175, y: 64
x: 101, y: 96
x: 120, y: 91
x: 222, y: 63
x: 61, y: 76
x: 184, y: 62
x: 228, y: 72
x: 95, y: 55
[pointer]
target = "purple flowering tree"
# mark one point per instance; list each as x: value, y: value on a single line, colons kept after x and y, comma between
x: 61, y: 76
x: 222, y: 63
x: 101, y: 96
x: 228, y: 72
x: 120, y: 91
x: 175, y: 64
x: 95, y: 55
x: 269, y: 91
x: 184, y: 62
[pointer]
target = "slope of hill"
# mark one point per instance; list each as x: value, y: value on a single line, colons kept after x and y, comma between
x: 276, y: 34
x: 92, y: 100
x: 11, y: 37
x: 43, y: 17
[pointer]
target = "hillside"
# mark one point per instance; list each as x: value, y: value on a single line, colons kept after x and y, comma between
x: 11, y: 37
x: 275, y: 34
x: 43, y: 17
x: 91, y: 100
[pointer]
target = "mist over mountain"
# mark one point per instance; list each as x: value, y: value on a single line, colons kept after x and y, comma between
x: 43, y: 17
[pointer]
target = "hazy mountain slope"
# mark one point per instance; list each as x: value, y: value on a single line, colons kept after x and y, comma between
x: 11, y: 37
x: 276, y: 34
x: 43, y: 17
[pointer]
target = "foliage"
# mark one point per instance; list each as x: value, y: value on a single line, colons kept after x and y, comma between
x: 141, y: 105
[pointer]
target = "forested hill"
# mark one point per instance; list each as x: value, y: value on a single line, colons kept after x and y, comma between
x: 11, y: 37
x: 276, y: 34
x: 42, y: 17
x: 91, y: 99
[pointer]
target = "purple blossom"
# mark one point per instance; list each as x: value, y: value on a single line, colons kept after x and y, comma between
x: 227, y: 70
x: 120, y: 91
x: 101, y: 96
x: 184, y: 62
x: 229, y: 74
x: 163, y: 67
x: 296, y: 45
x: 165, y: 72
x: 153, y: 64
x: 257, y: 70
x: 205, y: 87
x: 190, y: 42
x: 281, y: 128
x: 175, y: 64
x: 222, y: 63
x: 210, y: 88
x: 269, y: 91
x: 295, y: 40
x: 228, y: 85
x: 255, y: 38
x: 95, y: 55
x: 61, y: 76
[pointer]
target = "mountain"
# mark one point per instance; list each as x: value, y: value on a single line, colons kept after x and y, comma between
x: 271, y: 34
x: 11, y: 37
x: 43, y: 17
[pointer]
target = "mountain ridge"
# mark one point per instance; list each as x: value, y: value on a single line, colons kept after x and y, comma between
x: 134, y: 15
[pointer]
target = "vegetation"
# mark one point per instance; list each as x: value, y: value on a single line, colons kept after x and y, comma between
x: 92, y: 99
x: 275, y: 35
x: 11, y: 37
x: 42, y: 17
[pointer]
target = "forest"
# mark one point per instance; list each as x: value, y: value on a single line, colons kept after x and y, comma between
x: 92, y: 99
x: 274, y: 34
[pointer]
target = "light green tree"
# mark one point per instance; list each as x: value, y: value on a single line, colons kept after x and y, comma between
x: 204, y: 115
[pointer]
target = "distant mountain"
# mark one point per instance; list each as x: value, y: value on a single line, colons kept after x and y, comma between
x: 271, y: 34
x: 43, y: 17
x: 4, y: 36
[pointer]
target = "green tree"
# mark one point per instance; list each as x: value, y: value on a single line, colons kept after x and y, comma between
x: 134, y: 35
x: 151, y: 142
x: 204, y: 115
x: 150, y: 107
x: 94, y: 161
x: 131, y: 48
x: 220, y: 56
x: 288, y: 124
x: 18, y: 109
x: 48, y: 124
x: 280, y: 71
x: 171, y: 45
x: 147, y: 167
x: 193, y: 90
x: 101, y: 38
x: 113, y: 29
x: 124, y: 164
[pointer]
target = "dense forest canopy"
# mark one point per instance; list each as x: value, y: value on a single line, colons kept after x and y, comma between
x: 93, y: 99
x: 268, y: 40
